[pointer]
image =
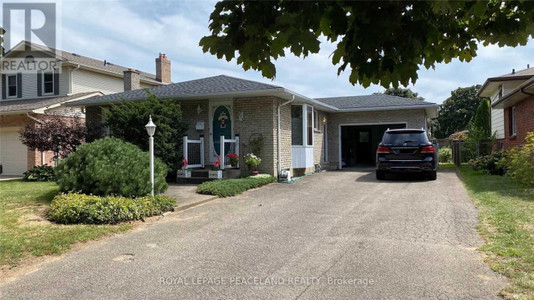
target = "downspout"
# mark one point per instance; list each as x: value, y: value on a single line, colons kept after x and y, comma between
x: 279, y: 135
x: 43, y: 158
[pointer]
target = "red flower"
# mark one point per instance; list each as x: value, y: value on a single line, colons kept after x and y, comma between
x: 233, y: 155
x: 184, y: 162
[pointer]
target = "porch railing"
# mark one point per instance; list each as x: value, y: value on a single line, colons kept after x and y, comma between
x: 194, y: 152
x: 233, y: 148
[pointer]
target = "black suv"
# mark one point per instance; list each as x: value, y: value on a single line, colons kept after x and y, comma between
x: 406, y: 150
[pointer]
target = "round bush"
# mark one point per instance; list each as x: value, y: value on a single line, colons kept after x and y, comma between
x: 110, y: 166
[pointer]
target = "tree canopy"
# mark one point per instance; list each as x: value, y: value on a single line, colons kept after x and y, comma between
x: 457, y: 111
x: 56, y: 133
x: 378, y: 42
x: 406, y: 93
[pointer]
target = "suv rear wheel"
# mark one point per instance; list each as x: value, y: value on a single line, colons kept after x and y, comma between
x: 432, y: 175
x: 380, y: 175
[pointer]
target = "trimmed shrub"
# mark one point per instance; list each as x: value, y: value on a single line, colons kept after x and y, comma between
x: 445, y: 154
x: 520, y: 161
x: 110, y: 166
x: 232, y: 187
x: 39, y: 173
x: 74, y: 208
x: 492, y: 164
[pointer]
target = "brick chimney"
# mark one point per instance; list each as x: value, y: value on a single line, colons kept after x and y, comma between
x: 163, y: 69
x: 131, y: 80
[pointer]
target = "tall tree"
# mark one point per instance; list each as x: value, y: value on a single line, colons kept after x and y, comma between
x: 406, y: 93
x: 59, y: 134
x: 127, y: 119
x: 457, y: 111
x: 379, y: 42
x: 482, y: 120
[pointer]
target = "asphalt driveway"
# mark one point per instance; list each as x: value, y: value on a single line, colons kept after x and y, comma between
x: 334, y: 235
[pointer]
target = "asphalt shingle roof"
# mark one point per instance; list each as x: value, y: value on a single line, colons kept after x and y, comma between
x: 221, y: 84
x: 24, y: 105
x: 375, y: 100
x: 93, y: 63
x: 520, y: 73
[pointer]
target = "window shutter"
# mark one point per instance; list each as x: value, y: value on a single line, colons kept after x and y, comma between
x: 4, y: 86
x: 39, y: 84
x: 56, y: 82
x: 19, y: 85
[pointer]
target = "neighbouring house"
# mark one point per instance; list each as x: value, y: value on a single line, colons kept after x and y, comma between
x: 298, y: 133
x: 27, y: 95
x: 512, y: 106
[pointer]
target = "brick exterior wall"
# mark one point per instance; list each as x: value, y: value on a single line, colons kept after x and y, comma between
x: 318, y: 141
x: 524, y: 116
x: 415, y: 118
x: 260, y: 117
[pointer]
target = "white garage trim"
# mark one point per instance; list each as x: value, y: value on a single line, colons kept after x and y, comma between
x: 340, y: 160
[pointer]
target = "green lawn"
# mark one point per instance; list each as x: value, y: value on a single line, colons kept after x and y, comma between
x: 24, y: 230
x: 506, y: 213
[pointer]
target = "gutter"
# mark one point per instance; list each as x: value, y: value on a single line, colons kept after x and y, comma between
x: 388, y: 108
x: 279, y: 135
x: 520, y: 89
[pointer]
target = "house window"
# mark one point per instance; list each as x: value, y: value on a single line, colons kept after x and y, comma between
x: 512, y: 122
x: 11, y: 85
x: 296, y: 125
x: 309, y: 122
x: 48, y: 83
x: 316, y: 121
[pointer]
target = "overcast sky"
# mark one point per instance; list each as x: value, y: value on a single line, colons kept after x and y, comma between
x: 132, y: 33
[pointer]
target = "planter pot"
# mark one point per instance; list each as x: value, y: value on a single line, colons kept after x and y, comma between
x: 183, y: 173
x: 255, y: 172
x: 218, y: 174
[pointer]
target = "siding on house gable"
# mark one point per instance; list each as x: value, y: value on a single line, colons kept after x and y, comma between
x: 29, y: 85
x: 87, y: 81
x: 497, y: 115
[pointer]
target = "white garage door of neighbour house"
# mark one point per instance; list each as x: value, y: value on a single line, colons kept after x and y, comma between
x: 13, y: 154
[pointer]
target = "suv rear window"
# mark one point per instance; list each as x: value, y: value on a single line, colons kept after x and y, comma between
x: 401, y: 137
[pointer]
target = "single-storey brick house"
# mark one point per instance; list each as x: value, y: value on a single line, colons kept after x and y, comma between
x: 512, y: 106
x: 299, y: 133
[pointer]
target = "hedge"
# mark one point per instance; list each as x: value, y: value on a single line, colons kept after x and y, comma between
x: 232, y: 187
x: 75, y: 208
x: 110, y: 166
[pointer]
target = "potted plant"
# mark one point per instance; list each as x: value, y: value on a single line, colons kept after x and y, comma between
x: 252, y: 161
x: 234, y: 159
x: 216, y: 172
x: 184, y: 172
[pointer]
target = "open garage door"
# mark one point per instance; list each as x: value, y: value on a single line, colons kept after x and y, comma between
x: 359, y: 143
x: 13, y: 154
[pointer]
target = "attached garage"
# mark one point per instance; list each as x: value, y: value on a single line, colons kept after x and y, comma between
x: 359, y: 142
x: 13, y: 154
x: 357, y: 127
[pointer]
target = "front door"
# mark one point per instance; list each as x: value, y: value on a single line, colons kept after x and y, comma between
x: 221, y: 124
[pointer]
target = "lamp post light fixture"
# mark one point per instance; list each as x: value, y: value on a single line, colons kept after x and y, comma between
x: 151, y: 129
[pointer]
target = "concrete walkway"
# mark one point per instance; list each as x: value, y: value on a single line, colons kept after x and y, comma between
x: 186, y: 196
x: 335, y: 235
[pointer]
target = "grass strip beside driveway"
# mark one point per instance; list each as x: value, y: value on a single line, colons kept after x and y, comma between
x: 26, y: 233
x: 506, y: 213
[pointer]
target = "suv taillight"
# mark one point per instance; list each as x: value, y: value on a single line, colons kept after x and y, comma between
x: 427, y: 149
x: 383, y: 150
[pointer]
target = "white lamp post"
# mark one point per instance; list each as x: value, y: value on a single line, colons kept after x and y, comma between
x: 151, y: 129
